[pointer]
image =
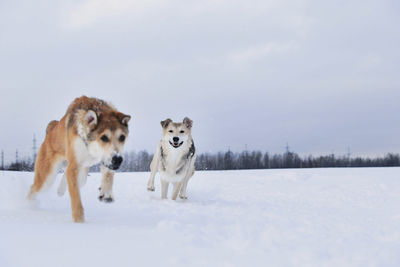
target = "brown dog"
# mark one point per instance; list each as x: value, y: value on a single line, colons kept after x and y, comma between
x: 91, y: 132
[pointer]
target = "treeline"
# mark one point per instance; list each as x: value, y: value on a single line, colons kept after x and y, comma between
x: 140, y: 161
x: 258, y: 160
x: 133, y: 162
x: 23, y: 165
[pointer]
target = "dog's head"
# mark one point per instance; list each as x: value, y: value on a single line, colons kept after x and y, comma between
x: 176, y: 134
x: 105, y: 133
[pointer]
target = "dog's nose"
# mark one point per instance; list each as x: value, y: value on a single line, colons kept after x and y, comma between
x: 116, y: 162
x: 176, y: 139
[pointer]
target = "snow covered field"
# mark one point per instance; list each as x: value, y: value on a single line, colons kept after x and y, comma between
x: 309, y: 217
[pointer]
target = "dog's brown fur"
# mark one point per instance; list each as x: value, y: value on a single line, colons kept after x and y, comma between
x: 60, y: 146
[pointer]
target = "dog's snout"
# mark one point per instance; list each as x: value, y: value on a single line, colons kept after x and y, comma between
x: 176, y: 139
x: 116, y: 162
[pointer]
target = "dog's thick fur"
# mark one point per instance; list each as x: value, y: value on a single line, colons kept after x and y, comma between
x: 92, y: 131
x: 174, y: 158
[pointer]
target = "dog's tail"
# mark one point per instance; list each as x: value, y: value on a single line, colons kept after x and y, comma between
x: 51, y: 125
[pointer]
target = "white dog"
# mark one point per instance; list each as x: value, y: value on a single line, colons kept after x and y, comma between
x: 174, y: 158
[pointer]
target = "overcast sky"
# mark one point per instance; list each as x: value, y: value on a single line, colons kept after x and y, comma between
x: 320, y: 75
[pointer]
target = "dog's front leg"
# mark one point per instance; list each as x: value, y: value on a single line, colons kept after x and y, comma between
x: 82, y: 178
x: 177, y: 187
x: 189, y: 174
x: 153, y: 169
x: 73, y: 172
x: 106, y: 193
x: 182, y: 193
x: 164, y: 189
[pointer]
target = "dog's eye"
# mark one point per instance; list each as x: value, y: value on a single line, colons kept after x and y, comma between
x: 170, y: 131
x: 182, y: 131
x: 105, y: 139
x: 122, y: 138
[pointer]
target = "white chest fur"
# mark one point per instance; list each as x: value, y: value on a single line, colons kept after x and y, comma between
x: 83, y: 155
x: 172, y: 161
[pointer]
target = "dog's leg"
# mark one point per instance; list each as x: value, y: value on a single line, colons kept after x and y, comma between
x: 177, y: 187
x: 46, y: 169
x: 183, y: 194
x: 73, y: 187
x: 106, y: 193
x: 153, y: 169
x: 63, y: 186
x: 63, y: 183
x: 164, y: 189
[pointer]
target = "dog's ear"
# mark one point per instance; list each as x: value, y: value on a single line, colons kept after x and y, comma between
x: 165, y: 123
x: 125, y: 119
x: 188, y: 122
x: 91, y: 119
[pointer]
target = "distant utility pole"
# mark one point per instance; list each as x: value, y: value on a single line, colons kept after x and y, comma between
x: 16, y: 156
x: 2, y: 159
x: 349, y: 156
x: 287, y: 148
x: 34, y: 148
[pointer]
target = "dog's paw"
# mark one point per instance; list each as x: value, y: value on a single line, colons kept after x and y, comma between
x: 106, y: 198
x: 182, y: 196
x: 151, y: 188
x: 79, y: 219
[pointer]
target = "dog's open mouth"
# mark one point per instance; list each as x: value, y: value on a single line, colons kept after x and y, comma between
x: 176, y: 145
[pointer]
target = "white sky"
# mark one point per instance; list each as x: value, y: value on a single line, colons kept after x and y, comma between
x: 320, y: 75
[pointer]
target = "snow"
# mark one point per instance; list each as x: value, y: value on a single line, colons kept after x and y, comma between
x: 307, y: 217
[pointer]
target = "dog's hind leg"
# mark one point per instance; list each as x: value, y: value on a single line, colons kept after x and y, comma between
x: 63, y: 186
x: 46, y: 169
x: 177, y: 187
x: 106, y: 193
x: 164, y: 189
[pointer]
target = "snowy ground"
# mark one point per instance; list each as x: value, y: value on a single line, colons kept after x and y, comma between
x: 314, y: 217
